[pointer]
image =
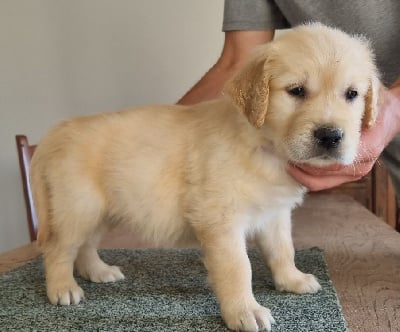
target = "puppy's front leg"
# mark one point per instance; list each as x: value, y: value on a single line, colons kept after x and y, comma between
x: 229, y: 273
x: 276, y: 245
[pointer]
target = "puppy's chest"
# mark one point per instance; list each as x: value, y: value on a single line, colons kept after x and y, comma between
x: 277, y: 196
x: 269, y: 185
x: 273, y: 190
x: 272, y: 204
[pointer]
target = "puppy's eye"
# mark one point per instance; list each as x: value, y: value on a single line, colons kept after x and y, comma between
x: 351, y: 94
x: 297, y: 91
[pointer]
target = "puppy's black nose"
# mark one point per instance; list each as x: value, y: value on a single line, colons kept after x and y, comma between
x: 328, y: 137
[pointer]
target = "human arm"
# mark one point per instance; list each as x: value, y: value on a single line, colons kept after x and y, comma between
x: 238, y: 46
x: 373, y: 141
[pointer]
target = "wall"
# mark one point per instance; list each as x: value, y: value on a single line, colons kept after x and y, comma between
x: 64, y: 58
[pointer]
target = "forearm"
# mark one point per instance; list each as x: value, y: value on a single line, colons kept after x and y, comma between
x: 391, y: 106
x: 395, y: 89
x: 210, y: 86
x: 237, y: 48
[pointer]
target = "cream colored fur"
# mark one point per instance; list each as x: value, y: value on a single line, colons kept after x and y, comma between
x: 212, y: 173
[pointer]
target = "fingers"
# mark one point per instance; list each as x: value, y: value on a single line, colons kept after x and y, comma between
x: 321, y: 178
x: 318, y: 182
x: 356, y: 170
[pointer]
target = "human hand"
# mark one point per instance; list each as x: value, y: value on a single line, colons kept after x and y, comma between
x: 372, y: 143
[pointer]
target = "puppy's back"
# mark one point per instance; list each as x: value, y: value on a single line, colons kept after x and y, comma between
x: 124, y: 165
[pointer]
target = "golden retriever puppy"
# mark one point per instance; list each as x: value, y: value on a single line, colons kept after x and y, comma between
x: 213, y: 173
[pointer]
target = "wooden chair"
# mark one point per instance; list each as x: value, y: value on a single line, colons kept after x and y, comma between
x: 25, y: 152
x: 115, y: 239
x: 376, y: 192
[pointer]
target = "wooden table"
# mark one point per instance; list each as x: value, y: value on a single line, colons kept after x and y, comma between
x: 362, y: 252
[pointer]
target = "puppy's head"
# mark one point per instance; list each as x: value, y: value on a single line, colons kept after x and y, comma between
x: 310, y: 92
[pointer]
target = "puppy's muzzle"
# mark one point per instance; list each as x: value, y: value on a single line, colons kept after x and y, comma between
x: 328, y: 138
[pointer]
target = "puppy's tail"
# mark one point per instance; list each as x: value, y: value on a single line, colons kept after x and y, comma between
x: 41, y: 197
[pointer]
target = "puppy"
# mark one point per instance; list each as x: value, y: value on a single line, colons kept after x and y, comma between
x: 212, y: 173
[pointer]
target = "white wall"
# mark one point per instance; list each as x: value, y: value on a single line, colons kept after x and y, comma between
x: 72, y: 57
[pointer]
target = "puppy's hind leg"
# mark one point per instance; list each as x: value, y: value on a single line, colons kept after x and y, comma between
x: 91, y: 267
x: 275, y: 242
x: 74, y: 217
x: 59, y: 261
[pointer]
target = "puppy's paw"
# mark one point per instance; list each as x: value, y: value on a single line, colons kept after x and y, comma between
x: 252, y: 318
x: 65, y: 293
x: 102, y: 273
x: 298, y: 282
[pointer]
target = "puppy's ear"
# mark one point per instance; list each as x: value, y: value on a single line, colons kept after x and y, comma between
x: 372, y: 102
x: 249, y: 90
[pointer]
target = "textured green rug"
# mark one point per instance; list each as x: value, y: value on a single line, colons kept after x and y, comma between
x: 164, y: 290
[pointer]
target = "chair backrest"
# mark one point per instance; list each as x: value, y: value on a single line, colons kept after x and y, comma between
x: 25, y: 152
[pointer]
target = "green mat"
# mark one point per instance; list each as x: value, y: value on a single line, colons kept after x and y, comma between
x: 164, y: 290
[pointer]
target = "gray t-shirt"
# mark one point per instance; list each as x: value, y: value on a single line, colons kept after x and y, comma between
x: 379, y: 21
